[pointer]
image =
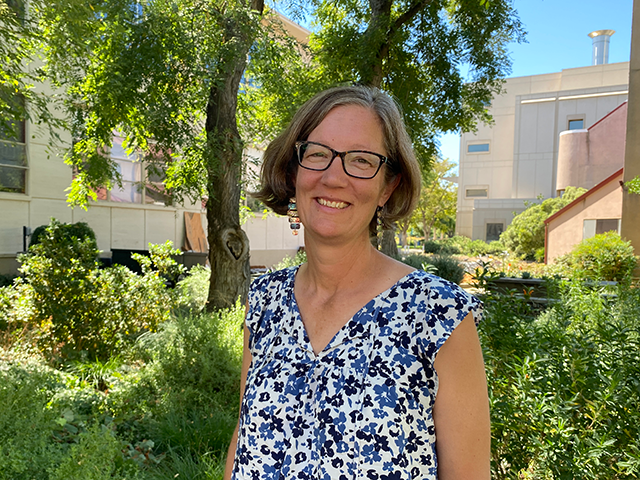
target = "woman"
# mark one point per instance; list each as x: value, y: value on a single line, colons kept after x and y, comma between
x: 355, y: 363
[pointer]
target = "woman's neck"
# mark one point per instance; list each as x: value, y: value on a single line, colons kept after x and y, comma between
x: 333, y: 266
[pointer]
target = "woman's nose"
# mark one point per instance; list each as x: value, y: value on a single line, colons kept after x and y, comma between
x: 335, y: 174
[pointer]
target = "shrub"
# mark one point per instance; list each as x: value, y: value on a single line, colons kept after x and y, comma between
x: 525, y: 234
x: 72, y: 309
x: 440, y: 246
x: 190, y: 390
x: 603, y: 257
x: 564, y: 385
x: 66, y: 232
x: 447, y: 267
x: 444, y: 266
x: 193, y: 290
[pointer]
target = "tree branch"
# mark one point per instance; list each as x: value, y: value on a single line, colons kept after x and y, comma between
x: 407, y: 16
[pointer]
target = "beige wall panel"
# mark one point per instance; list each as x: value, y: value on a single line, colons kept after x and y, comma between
x: 268, y: 258
x: 464, y: 223
x: 616, y: 74
x: 544, y: 177
x: 605, y: 105
x: 42, y: 210
x: 545, y: 83
x: 48, y: 177
x: 526, y: 179
x: 545, y: 127
x: 160, y: 227
x: 256, y: 230
x: 527, y: 133
x: 99, y: 219
x: 501, y: 182
x: 127, y: 228
x: 15, y: 215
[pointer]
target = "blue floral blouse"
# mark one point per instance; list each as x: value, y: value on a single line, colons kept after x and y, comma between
x: 361, y: 408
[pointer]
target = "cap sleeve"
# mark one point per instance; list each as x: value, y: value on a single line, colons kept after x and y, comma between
x: 447, y: 305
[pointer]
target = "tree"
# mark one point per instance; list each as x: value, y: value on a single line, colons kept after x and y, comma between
x: 18, y: 74
x: 525, y: 234
x: 417, y: 51
x: 437, y: 205
x: 166, y: 75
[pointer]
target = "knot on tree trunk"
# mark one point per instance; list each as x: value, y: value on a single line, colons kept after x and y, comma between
x: 236, y: 242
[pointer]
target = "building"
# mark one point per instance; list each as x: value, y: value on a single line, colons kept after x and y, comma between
x: 33, y: 183
x: 516, y: 159
x: 597, y: 211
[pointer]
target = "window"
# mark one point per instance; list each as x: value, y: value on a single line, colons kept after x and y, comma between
x: 130, y: 168
x: 478, y: 148
x: 493, y: 231
x: 594, y: 227
x: 13, y: 157
x: 477, y: 192
x: 141, y: 183
x: 576, y: 124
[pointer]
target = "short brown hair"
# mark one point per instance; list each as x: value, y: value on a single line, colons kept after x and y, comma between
x: 280, y: 164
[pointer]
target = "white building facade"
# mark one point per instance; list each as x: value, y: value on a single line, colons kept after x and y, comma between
x: 515, y: 160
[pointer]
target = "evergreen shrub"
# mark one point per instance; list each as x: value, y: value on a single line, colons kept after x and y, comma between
x: 603, y: 257
x: 444, y: 266
x: 71, y: 309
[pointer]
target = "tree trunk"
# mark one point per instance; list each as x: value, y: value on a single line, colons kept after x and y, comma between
x: 228, y: 244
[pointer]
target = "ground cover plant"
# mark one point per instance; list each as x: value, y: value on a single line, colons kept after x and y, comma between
x: 564, y: 385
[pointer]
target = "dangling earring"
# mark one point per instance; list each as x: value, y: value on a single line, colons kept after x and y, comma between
x: 379, y: 226
x: 292, y: 213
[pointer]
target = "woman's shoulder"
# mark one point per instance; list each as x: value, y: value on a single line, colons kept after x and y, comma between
x: 426, y: 289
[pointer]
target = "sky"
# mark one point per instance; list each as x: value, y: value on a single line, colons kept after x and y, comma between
x: 557, y: 38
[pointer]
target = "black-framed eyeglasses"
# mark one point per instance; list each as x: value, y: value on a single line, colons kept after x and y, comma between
x: 355, y: 163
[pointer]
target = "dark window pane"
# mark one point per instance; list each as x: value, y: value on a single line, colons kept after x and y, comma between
x: 13, y: 179
x: 478, y: 148
x: 493, y: 231
x: 13, y: 154
x: 607, y: 225
x: 476, y: 192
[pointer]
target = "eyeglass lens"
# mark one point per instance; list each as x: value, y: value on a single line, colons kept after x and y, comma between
x: 356, y: 163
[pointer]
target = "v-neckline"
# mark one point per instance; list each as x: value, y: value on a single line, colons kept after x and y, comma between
x: 298, y: 324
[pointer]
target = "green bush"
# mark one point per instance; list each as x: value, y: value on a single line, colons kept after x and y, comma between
x: 193, y: 290
x: 603, y: 257
x: 525, y: 234
x: 444, y: 266
x: 564, y: 386
x: 447, y: 267
x: 440, y: 246
x: 191, y: 385
x: 72, y: 309
x: 66, y: 233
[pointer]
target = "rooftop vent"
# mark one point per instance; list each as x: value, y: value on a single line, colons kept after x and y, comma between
x: 601, y: 46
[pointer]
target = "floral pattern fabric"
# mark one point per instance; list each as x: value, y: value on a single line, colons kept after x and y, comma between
x: 361, y: 408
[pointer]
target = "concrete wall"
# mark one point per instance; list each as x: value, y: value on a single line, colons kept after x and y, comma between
x: 522, y: 159
x: 565, y: 230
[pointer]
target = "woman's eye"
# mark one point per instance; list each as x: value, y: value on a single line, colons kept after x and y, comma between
x: 362, y: 161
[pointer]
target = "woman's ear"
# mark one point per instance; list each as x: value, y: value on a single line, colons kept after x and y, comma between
x: 388, y: 190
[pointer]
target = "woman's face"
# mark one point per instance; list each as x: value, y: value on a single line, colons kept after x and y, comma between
x: 331, y: 204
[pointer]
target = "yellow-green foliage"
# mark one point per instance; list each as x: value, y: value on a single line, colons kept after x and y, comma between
x: 603, y: 257
x: 72, y: 309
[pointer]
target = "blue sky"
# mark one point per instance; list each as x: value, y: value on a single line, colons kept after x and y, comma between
x: 557, y: 36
